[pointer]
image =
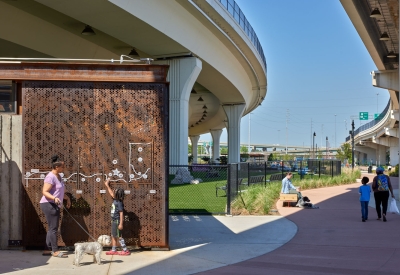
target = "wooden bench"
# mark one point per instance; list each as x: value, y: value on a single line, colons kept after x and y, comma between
x: 275, y: 177
x: 289, y: 198
x: 218, y: 186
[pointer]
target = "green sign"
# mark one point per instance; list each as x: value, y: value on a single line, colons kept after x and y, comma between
x: 376, y: 116
x: 363, y: 115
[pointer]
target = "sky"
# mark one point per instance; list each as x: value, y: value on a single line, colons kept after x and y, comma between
x: 318, y: 73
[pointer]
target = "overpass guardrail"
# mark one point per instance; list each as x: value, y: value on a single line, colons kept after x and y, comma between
x: 236, y: 12
x: 371, y: 123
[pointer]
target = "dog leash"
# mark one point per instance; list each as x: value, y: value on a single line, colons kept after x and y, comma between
x: 65, y: 208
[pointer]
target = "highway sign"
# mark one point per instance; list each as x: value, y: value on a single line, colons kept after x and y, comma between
x: 376, y: 116
x: 363, y: 115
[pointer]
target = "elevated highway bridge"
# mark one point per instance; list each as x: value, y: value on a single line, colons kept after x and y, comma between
x: 377, y: 23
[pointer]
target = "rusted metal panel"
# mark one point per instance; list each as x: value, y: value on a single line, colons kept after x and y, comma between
x: 101, y: 130
x: 83, y: 72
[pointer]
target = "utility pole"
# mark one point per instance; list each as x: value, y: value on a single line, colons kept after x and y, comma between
x: 249, y: 133
x: 326, y: 148
x: 335, y: 130
x: 313, y: 145
x: 287, y: 120
x: 352, y: 145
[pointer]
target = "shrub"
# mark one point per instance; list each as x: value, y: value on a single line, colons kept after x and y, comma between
x: 259, y: 200
x: 395, y: 173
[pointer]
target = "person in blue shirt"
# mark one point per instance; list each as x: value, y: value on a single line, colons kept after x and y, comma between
x: 288, y: 187
x: 365, y: 193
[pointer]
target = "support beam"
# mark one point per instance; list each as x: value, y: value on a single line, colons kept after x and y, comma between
x: 195, y: 142
x: 234, y: 113
x: 386, y: 79
x: 216, y: 135
x: 182, y: 75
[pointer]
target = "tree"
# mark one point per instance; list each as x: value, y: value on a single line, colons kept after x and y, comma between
x: 344, y: 152
x: 244, y: 149
x: 224, y: 151
x: 271, y: 157
x: 189, y: 148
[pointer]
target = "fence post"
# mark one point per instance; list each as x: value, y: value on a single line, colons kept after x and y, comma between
x: 265, y: 174
x: 319, y: 169
x: 228, y: 190
x: 283, y: 164
x: 301, y: 170
x: 332, y: 168
x: 248, y: 173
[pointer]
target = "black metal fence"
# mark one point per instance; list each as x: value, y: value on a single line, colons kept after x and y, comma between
x: 210, y: 189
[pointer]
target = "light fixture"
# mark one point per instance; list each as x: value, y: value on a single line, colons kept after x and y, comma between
x: 133, y: 52
x: 191, y: 125
x: 391, y: 55
x: 384, y: 37
x: 204, y: 115
x: 193, y: 92
x: 205, y: 112
x: 376, y: 13
x: 205, y: 107
x: 197, y: 123
x: 88, y: 31
x: 200, y: 99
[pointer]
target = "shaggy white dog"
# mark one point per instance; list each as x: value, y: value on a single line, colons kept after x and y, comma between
x: 93, y: 248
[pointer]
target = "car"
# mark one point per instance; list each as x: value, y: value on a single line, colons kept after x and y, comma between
x: 303, y: 171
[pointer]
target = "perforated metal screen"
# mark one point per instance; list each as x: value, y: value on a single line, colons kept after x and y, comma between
x: 101, y: 130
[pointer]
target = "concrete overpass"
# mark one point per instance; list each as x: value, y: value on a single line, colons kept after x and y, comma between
x: 217, y: 65
x: 377, y: 23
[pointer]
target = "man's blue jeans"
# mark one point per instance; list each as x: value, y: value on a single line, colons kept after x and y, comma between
x: 364, y: 209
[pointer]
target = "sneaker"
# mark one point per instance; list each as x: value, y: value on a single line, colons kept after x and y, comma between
x: 363, y: 220
x: 111, y: 252
x: 124, y: 253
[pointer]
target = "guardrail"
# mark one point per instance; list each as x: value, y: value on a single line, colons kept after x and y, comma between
x: 236, y: 12
x: 371, y: 123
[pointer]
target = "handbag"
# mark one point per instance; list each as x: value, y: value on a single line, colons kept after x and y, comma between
x: 393, y: 206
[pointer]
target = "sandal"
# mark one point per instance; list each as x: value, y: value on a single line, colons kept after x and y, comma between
x: 111, y: 252
x: 124, y: 253
x: 59, y: 254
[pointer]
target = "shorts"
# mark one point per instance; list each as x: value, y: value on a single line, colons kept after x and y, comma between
x: 115, y: 232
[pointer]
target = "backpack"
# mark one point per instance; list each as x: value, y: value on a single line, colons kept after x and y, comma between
x: 383, y: 184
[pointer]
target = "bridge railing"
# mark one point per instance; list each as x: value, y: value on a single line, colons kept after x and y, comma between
x: 236, y: 12
x: 371, y: 123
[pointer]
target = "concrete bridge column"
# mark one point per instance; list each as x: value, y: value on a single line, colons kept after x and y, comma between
x: 234, y: 113
x: 182, y: 75
x: 394, y: 155
x: 195, y: 142
x: 216, y: 135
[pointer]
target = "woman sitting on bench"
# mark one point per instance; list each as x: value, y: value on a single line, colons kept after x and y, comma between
x: 288, y: 187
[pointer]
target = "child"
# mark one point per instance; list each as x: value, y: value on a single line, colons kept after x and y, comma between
x: 365, y: 192
x: 117, y: 220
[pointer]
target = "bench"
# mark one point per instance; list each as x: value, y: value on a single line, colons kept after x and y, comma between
x: 224, y: 187
x: 289, y: 198
x: 275, y: 177
x: 255, y: 180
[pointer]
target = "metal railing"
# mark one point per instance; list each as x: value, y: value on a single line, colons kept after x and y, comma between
x: 371, y: 123
x: 210, y: 189
x: 236, y: 12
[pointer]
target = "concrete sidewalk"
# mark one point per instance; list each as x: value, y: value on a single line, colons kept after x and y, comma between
x: 198, y: 243
x: 331, y: 240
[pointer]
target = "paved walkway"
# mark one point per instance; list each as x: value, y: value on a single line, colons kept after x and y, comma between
x: 198, y: 243
x: 331, y: 240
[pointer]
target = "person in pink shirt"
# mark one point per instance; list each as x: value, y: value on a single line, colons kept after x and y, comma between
x: 51, y: 202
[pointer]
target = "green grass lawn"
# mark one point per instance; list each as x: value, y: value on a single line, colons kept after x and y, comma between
x: 196, y: 198
x: 199, y: 198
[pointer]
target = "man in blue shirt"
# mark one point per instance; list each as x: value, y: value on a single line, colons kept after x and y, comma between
x: 288, y: 187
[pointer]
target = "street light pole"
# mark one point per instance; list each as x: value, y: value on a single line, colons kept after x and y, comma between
x: 352, y: 145
x: 335, y: 130
x: 313, y: 145
x: 326, y: 148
